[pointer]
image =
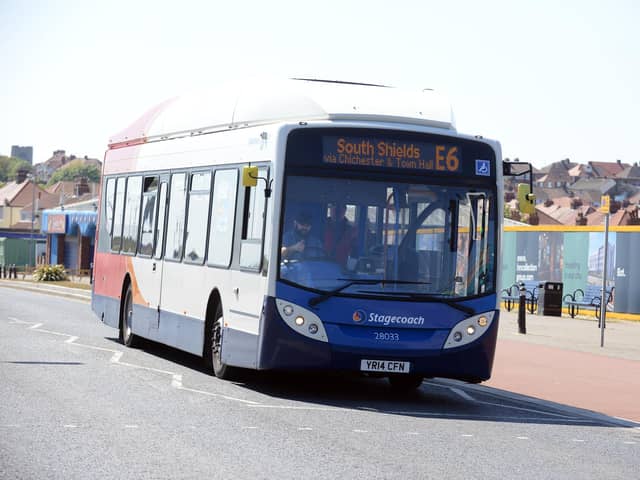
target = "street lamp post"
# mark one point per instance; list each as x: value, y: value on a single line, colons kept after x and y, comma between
x: 33, y: 206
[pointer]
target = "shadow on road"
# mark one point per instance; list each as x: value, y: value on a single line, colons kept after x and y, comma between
x: 436, y: 398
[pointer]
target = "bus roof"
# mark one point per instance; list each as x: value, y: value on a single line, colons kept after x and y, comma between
x: 254, y: 103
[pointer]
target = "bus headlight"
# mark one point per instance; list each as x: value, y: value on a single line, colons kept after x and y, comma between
x: 469, y: 330
x: 302, y: 321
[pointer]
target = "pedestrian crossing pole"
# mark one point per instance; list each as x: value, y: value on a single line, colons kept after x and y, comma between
x: 604, y: 208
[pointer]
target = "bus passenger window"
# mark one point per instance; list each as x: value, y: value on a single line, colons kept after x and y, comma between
x: 162, y: 212
x: 109, y: 200
x: 145, y: 246
x: 116, y: 239
x: 175, y: 224
x: 197, y: 217
x: 131, y: 215
x: 223, y: 215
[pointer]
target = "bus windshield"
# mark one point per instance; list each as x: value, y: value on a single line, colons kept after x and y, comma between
x: 388, y: 238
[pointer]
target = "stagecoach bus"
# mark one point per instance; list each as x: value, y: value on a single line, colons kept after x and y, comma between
x: 304, y: 225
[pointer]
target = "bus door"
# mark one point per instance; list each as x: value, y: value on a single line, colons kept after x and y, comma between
x: 249, y: 281
x: 154, y: 212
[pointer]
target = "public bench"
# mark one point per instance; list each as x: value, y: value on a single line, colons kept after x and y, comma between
x: 511, y: 295
x: 588, y: 298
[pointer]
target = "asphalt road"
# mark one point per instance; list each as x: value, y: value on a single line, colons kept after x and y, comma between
x: 77, y: 404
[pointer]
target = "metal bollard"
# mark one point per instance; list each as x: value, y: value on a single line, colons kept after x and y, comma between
x: 522, y: 309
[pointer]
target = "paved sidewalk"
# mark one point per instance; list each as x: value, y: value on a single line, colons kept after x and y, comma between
x: 621, y: 338
x: 560, y: 360
x: 48, y: 288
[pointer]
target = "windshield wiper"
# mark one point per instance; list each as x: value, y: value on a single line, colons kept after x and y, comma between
x: 429, y: 298
x: 358, y: 281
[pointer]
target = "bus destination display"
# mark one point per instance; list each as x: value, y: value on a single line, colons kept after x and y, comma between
x: 384, y: 153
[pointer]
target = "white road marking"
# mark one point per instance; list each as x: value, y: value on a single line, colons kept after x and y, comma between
x: 522, y: 438
x: 131, y: 426
x: 468, y: 435
x: 462, y: 393
x: 176, y: 380
x: 360, y: 431
x: 629, y: 443
x: 304, y: 428
x: 15, y: 320
x: 577, y: 440
x: 70, y: 425
x: 295, y: 407
x: 249, y: 428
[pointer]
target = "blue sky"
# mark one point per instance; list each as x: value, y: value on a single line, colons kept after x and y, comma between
x: 550, y: 79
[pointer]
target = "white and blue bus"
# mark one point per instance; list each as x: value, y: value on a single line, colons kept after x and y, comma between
x: 305, y: 225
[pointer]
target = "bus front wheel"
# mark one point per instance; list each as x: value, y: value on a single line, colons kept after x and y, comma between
x: 220, y: 369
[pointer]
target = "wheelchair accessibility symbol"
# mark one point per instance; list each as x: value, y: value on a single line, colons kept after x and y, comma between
x: 483, y: 168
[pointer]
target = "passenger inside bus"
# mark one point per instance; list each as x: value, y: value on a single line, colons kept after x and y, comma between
x: 340, y: 235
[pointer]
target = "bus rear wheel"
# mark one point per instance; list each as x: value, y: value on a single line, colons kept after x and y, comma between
x: 220, y: 369
x: 127, y: 336
x: 405, y: 382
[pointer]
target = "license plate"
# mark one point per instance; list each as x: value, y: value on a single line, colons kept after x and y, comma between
x: 388, y: 366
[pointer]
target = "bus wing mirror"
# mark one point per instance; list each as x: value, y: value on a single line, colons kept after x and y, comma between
x: 526, y: 199
x: 249, y: 176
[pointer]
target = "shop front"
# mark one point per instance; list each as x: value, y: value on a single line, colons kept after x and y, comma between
x: 70, y: 238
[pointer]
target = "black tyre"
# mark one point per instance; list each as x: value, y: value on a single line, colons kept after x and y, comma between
x: 126, y: 320
x: 220, y: 369
x: 405, y: 382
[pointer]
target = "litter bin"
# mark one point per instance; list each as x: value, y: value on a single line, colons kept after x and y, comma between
x: 550, y: 299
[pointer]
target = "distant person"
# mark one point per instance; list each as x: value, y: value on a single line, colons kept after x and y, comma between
x: 340, y: 236
x: 299, y: 243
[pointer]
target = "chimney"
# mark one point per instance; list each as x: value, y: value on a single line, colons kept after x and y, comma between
x: 21, y: 176
x: 82, y: 186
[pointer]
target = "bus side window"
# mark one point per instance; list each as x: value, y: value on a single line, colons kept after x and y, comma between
x: 175, y: 224
x: 147, y: 229
x: 253, y: 224
x: 198, y: 217
x: 116, y: 238
x: 109, y: 200
x: 131, y: 215
x: 160, y: 223
x: 223, y: 213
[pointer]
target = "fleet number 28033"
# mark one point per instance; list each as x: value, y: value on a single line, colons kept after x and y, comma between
x: 387, y: 336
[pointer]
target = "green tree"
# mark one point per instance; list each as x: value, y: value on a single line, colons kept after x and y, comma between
x: 9, y: 167
x: 74, y: 170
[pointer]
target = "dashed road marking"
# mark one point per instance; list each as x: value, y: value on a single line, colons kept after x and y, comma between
x: 176, y: 380
x: 522, y: 438
x: 462, y: 393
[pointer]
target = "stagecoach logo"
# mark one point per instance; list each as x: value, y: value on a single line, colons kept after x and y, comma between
x: 386, y: 320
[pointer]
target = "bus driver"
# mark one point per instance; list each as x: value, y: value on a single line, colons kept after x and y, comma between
x: 300, y: 243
